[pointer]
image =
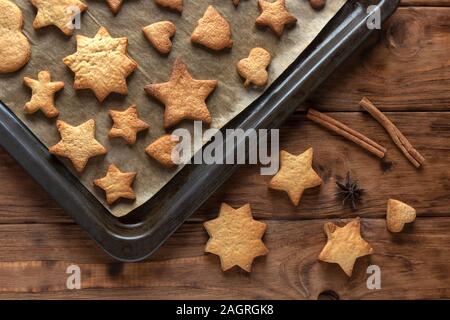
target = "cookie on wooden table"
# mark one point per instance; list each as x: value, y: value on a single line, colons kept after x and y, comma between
x: 14, y: 46
x: 101, y: 64
x: 253, y: 68
x: 235, y: 237
x: 183, y: 96
x: 117, y: 184
x: 159, y: 34
x: 78, y: 144
x: 275, y: 16
x: 126, y: 124
x: 59, y: 13
x: 43, y: 94
x: 398, y: 214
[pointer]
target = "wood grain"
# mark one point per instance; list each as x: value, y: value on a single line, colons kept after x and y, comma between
x: 291, y: 269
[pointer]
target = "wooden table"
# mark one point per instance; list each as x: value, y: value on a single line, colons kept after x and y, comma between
x: 407, y: 74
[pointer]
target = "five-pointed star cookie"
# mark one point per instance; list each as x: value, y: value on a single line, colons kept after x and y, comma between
x: 117, y: 184
x: 126, y: 124
x: 77, y: 143
x: 43, y: 93
x: 295, y: 175
x: 57, y: 12
x: 114, y: 5
x: 275, y: 16
x: 235, y: 237
x: 344, y: 245
x: 183, y: 96
x: 101, y: 64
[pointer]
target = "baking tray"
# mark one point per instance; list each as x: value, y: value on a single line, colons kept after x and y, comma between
x: 137, y: 235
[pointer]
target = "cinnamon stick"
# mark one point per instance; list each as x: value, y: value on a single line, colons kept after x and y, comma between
x: 399, y: 139
x: 346, y: 132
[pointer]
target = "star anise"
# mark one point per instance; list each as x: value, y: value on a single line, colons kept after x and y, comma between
x: 349, y: 191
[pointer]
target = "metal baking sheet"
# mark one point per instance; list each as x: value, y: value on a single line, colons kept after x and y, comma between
x: 136, y: 236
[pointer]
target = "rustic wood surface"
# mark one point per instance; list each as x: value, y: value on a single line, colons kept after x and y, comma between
x: 407, y: 74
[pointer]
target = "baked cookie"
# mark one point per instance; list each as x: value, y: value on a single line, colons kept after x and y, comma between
x: 126, y: 124
x: 14, y: 46
x: 114, y: 5
x: 59, y: 13
x: 295, y: 175
x: 318, y: 4
x: 117, y: 184
x: 253, y: 68
x: 213, y: 31
x: 101, y: 64
x: 398, y: 214
x: 235, y: 237
x: 236, y: 2
x: 161, y: 150
x: 275, y: 16
x: 183, y: 96
x: 159, y: 34
x: 43, y: 94
x: 78, y: 144
x: 344, y: 245
x: 176, y: 5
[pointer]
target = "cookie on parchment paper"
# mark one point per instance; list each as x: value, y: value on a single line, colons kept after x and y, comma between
x: 275, y: 16
x: 117, y: 184
x: 162, y: 150
x: 176, y: 5
x: 78, y: 144
x: 126, y: 124
x: 43, y: 94
x: 14, y: 46
x: 253, y: 68
x: 159, y: 35
x: 101, y: 64
x: 235, y: 237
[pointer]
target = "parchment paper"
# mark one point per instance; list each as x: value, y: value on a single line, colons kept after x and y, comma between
x: 50, y: 46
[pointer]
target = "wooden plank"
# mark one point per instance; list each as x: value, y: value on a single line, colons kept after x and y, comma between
x: 24, y: 202
x: 408, y: 69
x: 424, y: 3
x: 291, y: 269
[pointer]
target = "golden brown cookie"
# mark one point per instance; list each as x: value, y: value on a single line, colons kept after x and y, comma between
x: 101, y: 64
x: 117, y: 184
x: 235, y: 237
x: 295, y: 175
x: 14, y: 46
x: 275, y: 16
x: 344, y: 245
x: 213, y: 31
x: 399, y: 213
x: 78, y: 144
x: 159, y: 34
x: 176, y: 5
x: 59, y: 13
x: 114, y: 5
x: 161, y: 150
x: 183, y: 96
x: 253, y: 68
x: 318, y: 4
x: 236, y: 2
x: 43, y: 94
x: 126, y: 124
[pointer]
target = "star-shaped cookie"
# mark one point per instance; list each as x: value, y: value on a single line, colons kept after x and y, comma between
x: 295, y: 175
x: 235, y: 237
x: 78, y: 144
x: 126, y: 124
x: 275, y: 16
x: 183, y: 96
x: 344, y: 245
x: 117, y: 184
x: 59, y: 13
x: 101, y: 64
x: 43, y: 93
x: 114, y: 5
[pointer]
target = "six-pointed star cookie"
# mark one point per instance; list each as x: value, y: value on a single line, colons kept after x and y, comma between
x: 275, y: 16
x: 235, y: 237
x: 126, y: 124
x: 183, y: 96
x: 344, y: 245
x: 101, y: 64
x: 295, y: 175
x: 77, y: 143
x: 57, y: 12
x: 43, y: 92
x: 117, y: 184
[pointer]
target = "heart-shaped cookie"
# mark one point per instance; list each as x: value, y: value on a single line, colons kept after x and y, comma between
x: 159, y: 35
x: 253, y: 68
x: 399, y: 213
x: 14, y: 46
